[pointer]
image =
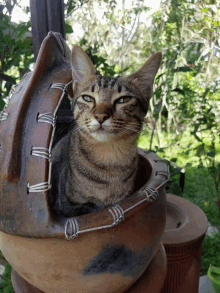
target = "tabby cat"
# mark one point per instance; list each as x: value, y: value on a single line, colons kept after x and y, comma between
x: 95, y: 164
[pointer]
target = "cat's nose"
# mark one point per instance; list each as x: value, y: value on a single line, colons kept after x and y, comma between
x: 101, y: 117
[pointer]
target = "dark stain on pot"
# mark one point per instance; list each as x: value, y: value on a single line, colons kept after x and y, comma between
x: 118, y: 259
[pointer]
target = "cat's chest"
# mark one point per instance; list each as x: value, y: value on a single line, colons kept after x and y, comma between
x: 104, y: 184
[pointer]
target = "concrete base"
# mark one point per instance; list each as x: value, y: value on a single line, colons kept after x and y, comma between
x: 205, y: 285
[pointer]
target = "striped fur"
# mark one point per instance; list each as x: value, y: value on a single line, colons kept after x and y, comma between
x: 95, y: 164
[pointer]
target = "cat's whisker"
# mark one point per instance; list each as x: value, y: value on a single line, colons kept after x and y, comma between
x: 129, y: 128
x: 77, y: 129
x: 135, y: 123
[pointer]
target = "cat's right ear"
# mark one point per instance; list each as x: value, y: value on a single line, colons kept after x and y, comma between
x: 82, y: 66
x: 144, y: 77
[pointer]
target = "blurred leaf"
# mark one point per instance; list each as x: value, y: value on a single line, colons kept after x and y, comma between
x: 180, y: 91
x: 182, y: 69
x: 2, y: 104
x: 174, y: 160
x: 68, y: 28
x: 158, y: 106
x: 7, y: 77
x: 211, y: 154
x: 200, y: 149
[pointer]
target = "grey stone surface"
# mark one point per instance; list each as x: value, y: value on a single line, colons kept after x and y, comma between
x: 205, y: 285
x: 2, y: 269
x: 211, y: 230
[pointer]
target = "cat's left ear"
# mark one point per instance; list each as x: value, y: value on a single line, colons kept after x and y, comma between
x: 144, y: 77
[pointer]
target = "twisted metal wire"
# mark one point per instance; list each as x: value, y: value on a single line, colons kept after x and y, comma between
x: 41, y: 152
x: 40, y: 187
x: 163, y: 173
x: 47, y: 118
x: 3, y: 116
x: 73, y: 227
x: 151, y: 194
x: 117, y: 213
x: 61, y: 86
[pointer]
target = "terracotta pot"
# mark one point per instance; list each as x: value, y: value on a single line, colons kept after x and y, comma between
x: 150, y: 281
x: 103, y: 260
x: 114, y: 245
x: 182, y: 239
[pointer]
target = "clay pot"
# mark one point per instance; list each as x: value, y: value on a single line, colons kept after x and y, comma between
x: 182, y: 239
x: 104, y: 260
x: 150, y: 281
x: 114, y: 245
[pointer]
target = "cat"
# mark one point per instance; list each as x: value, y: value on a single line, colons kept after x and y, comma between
x: 95, y: 164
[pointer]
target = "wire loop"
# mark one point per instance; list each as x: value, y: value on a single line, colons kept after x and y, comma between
x: 151, y: 194
x: 71, y: 229
x: 47, y: 118
x: 41, y: 152
x: 40, y: 187
x: 163, y: 173
x: 3, y: 116
x: 61, y: 86
x: 117, y: 213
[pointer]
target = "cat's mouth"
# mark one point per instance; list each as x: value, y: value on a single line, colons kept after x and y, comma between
x: 101, y: 134
x: 100, y: 129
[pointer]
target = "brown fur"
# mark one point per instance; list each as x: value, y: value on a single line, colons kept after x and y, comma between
x: 97, y: 162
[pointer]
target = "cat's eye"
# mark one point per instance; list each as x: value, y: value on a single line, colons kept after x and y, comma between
x: 88, y: 99
x: 123, y: 100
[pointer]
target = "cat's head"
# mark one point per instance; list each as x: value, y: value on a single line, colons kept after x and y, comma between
x: 110, y: 108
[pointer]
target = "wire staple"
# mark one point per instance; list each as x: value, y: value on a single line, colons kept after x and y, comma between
x: 72, y: 226
x: 41, y: 152
x: 40, y: 187
x: 117, y: 213
x: 47, y: 118
x: 61, y: 86
x: 3, y: 116
x: 151, y: 194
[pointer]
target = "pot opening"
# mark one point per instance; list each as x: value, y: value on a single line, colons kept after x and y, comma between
x: 64, y: 124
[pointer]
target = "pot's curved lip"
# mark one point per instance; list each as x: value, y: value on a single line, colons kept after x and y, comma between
x: 145, y: 196
x: 176, y: 213
x: 194, y: 223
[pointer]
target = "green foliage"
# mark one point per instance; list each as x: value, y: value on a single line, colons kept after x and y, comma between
x: 99, y: 62
x: 68, y: 28
x: 72, y: 5
x: 15, y: 50
x: 5, y: 281
x: 211, y: 253
x: 6, y: 285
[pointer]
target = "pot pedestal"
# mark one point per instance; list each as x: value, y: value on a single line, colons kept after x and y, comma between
x: 152, y: 279
x: 182, y: 239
